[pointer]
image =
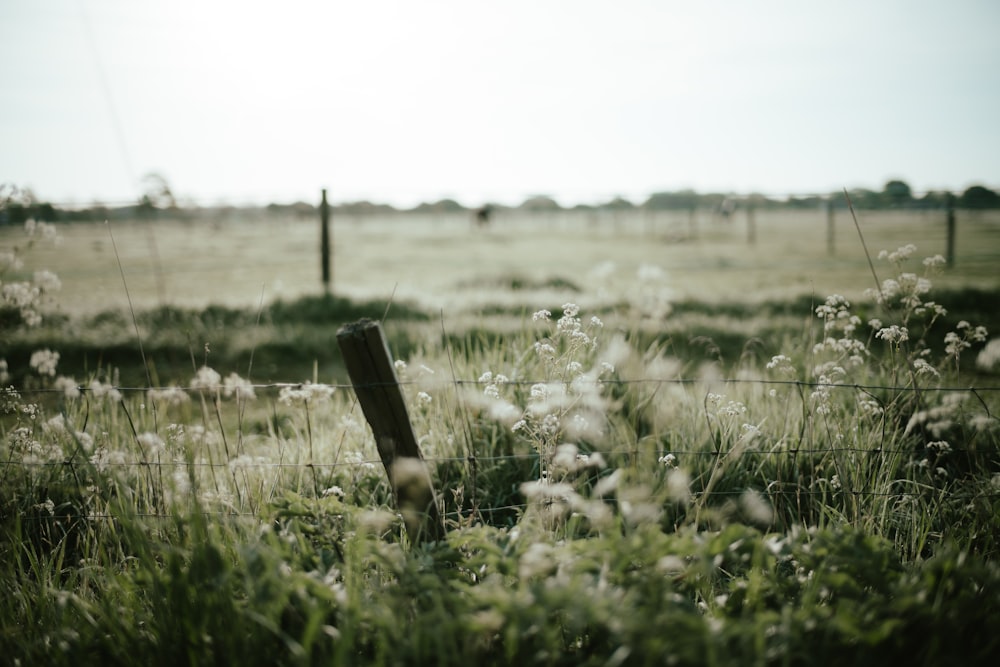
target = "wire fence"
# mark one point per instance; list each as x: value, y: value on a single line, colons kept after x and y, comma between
x: 785, y: 446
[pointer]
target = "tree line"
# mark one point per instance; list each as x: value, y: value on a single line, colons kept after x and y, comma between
x: 17, y: 205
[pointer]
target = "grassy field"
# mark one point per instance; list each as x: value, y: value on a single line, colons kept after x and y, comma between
x: 445, y: 263
x: 652, y: 443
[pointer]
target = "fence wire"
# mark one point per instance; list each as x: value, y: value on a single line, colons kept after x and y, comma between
x: 784, y: 446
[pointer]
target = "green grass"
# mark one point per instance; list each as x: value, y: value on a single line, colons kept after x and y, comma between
x: 672, y: 494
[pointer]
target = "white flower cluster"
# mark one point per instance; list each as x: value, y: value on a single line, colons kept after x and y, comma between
x: 307, y: 393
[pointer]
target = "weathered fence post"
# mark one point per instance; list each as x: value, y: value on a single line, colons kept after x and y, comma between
x: 950, y: 247
x: 751, y: 223
x: 324, y: 251
x: 829, y: 227
x: 369, y: 364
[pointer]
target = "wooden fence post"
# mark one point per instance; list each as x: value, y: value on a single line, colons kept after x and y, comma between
x: 369, y: 364
x: 751, y: 223
x: 324, y: 251
x: 950, y: 247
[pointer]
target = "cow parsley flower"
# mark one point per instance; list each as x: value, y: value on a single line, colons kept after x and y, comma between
x: 44, y: 361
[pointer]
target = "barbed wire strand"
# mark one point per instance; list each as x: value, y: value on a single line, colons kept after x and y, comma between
x: 223, y: 389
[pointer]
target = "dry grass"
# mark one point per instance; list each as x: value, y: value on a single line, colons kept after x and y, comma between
x: 521, y: 260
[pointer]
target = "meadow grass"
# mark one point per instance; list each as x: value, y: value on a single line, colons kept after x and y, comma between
x: 776, y: 483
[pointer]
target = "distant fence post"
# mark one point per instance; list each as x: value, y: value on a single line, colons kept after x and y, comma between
x: 950, y: 247
x: 751, y: 224
x: 368, y: 362
x: 324, y: 251
x: 829, y: 227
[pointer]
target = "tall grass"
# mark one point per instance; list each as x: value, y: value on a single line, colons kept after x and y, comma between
x: 829, y: 496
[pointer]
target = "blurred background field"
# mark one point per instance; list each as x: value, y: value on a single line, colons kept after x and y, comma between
x: 521, y: 261
x: 247, y: 282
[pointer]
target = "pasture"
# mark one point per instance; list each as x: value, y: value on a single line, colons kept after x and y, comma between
x: 652, y: 440
x: 521, y: 260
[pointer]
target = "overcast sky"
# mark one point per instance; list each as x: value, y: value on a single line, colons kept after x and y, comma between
x: 401, y: 102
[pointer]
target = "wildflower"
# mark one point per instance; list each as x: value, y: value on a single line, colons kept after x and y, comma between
x: 108, y: 391
x: 607, y: 484
x: 988, y: 358
x: 151, y: 443
x: 545, y: 350
x: 922, y: 367
x: 756, y: 508
x: 333, y: 491
x: 423, y: 398
x: 46, y: 281
x: 206, y: 379
x: 679, y: 485
x: 304, y: 393
x: 541, y: 316
x: 934, y: 262
x: 67, y: 386
x: 733, y: 409
x: 668, y: 459
x: 536, y: 561
x: 549, y: 425
x: 781, y: 365
x: 172, y: 395
x: 893, y: 334
x: 899, y: 255
x: 47, y: 506
x: 539, y: 392
x: 44, y: 361
x: 235, y: 385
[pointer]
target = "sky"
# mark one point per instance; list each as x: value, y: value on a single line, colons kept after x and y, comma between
x: 243, y: 102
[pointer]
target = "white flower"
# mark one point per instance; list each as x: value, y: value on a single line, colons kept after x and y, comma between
x: 67, y: 386
x: 151, y: 443
x: 207, y: 379
x: 988, y: 358
x: 234, y: 384
x: 541, y: 315
x: 304, y: 393
x: 893, y: 334
x: 105, y: 391
x: 47, y: 281
x: 44, y: 361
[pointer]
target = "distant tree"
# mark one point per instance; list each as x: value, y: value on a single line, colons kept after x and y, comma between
x: 440, y: 206
x: 979, y: 197
x: 17, y: 205
x: 897, y: 194
x: 808, y: 202
x: 540, y: 203
x: 932, y: 200
x: 865, y: 198
x: 156, y: 194
x: 45, y: 212
x: 619, y: 203
x: 681, y: 199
